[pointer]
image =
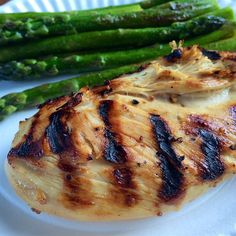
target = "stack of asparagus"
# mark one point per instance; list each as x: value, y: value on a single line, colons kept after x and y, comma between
x: 110, y: 40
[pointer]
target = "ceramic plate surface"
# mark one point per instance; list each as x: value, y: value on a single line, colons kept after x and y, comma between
x: 210, y: 215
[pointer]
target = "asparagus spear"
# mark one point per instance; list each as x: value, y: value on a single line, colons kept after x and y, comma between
x: 228, y: 44
x: 114, y: 38
x: 72, y: 23
x: 31, y: 97
x: 105, y: 10
x: 224, y: 33
x: 32, y: 68
x: 151, y: 3
x: 55, y: 65
x: 133, y: 7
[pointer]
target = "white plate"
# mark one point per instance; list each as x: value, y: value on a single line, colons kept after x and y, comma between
x: 212, y: 214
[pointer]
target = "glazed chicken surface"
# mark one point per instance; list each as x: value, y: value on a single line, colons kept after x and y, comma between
x: 138, y: 146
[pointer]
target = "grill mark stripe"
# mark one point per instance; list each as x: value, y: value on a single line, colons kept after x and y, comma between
x: 164, y: 138
x: 57, y: 134
x: 60, y: 141
x: 76, y: 195
x: 233, y: 113
x: 30, y: 148
x: 170, y: 163
x: 59, y: 137
x: 212, y: 55
x: 104, y: 108
x: 116, y: 154
x: 113, y: 151
x: 123, y: 177
x: 172, y: 179
x: 210, y: 147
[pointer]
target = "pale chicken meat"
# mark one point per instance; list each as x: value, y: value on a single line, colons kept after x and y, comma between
x: 138, y: 146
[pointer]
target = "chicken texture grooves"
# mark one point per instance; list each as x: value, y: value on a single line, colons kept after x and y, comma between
x: 139, y: 146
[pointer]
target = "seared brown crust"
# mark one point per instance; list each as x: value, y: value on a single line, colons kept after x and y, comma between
x: 142, y: 144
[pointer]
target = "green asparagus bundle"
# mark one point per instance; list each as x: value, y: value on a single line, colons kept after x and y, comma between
x: 31, y: 97
x: 111, y: 39
x: 63, y: 64
x: 66, y: 24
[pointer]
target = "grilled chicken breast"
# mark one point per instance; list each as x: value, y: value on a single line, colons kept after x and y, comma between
x: 141, y: 145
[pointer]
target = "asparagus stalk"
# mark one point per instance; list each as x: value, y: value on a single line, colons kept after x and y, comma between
x: 56, y: 65
x: 228, y: 44
x: 133, y: 7
x: 174, y: 5
x: 29, y: 98
x: 151, y: 3
x: 72, y: 23
x: 32, y: 97
x: 111, y: 39
x: 224, y: 33
x: 105, y: 10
